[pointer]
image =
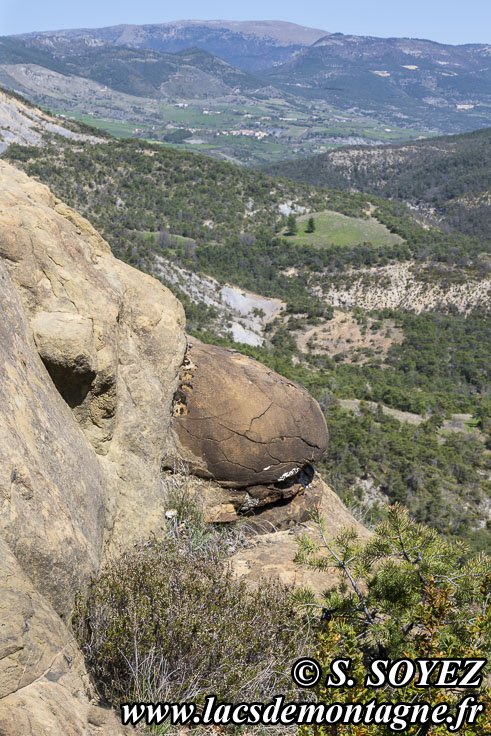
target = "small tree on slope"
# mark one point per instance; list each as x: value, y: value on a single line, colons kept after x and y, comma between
x: 407, y: 593
x: 291, y: 224
x: 310, y: 225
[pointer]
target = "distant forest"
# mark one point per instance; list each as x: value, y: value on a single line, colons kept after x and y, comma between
x: 448, y: 177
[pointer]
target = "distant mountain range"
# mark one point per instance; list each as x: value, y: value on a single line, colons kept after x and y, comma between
x: 394, y: 78
x: 248, y: 45
x: 192, y: 72
x: 409, y: 83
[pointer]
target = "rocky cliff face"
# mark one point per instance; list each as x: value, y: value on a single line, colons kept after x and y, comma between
x: 111, y: 339
x: 91, y: 351
x: 93, y: 355
x: 54, y: 494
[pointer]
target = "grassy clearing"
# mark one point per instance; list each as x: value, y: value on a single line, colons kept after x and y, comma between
x: 332, y: 228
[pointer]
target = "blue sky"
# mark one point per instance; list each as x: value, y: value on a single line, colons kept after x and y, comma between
x: 439, y: 20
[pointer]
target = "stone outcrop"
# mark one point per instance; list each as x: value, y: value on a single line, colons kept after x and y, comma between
x: 44, y: 687
x: 110, y: 337
x: 241, y: 423
x: 92, y: 354
x: 265, y: 508
x: 21, y: 122
x: 51, y: 486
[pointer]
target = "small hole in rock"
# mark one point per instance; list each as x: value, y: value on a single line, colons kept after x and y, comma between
x: 72, y: 382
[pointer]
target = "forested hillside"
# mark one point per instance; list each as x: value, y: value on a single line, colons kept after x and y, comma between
x: 130, y: 188
x: 139, y: 72
x: 440, y: 87
x: 447, y: 178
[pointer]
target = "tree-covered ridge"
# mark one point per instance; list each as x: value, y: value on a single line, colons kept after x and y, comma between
x: 438, y: 475
x: 441, y: 366
x: 373, y: 75
x: 445, y: 348
x: 448, y: 177
x: 133, y: 71
x: 129, y: 188
x: 249, y: 263
x: 126, y: 187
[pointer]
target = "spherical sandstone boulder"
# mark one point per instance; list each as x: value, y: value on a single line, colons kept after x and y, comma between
x: 241, y: 423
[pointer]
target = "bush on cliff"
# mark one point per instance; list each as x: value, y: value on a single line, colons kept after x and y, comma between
x: 168, y: 621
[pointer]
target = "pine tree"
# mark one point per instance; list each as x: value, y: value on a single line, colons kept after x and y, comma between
x: 291, y: 224
x: 310, y: 225
x: 406, y: 593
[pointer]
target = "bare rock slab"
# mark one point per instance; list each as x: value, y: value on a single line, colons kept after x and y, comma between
x: 45, y: 688
x: 111, y: 341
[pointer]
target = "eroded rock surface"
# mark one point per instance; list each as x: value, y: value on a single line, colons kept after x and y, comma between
x: 241, y: 423
x: 272, y: 555
x: 110, y: 337
x: 52, y: 488
x: 90, y: 351
x: 285, y: 511
x: 45, y: 689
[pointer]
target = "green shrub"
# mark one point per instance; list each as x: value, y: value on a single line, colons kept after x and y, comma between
x: 168, y: 621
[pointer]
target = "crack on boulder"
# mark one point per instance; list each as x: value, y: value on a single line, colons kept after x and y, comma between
x: 242, y: 404
x: 185, y: 387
